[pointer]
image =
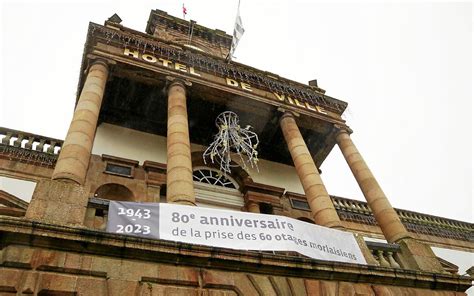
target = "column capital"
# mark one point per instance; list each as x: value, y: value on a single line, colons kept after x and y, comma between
x: 95, y: 59
x: 175, y: 81
x: 287, y: 113
x: 338, y: 128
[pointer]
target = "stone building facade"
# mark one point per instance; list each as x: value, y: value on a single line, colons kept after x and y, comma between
x: 144, y: 114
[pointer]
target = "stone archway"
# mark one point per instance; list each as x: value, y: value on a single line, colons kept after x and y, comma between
x: 113, y: 191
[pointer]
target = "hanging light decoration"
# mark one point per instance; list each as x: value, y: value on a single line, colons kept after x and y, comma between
x: 232, y: 139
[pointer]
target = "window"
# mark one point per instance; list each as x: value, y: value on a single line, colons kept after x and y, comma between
x: 119, y: 166
x: 299, y: 204
x: 116, y: 169
x: 213, y: 177
x: 214, y: 190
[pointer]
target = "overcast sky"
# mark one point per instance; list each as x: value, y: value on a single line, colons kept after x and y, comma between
x: 404, y: 68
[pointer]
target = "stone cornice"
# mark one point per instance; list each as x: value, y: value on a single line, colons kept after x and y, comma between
x: 20, y: 231
x: 145, y: 43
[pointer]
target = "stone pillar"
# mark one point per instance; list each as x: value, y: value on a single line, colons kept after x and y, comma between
x: 179, y: 173
x: 382, y: 210
x: 322, y: 208
x: 63, y: 200
x: 253, y: 207
x: 413, y: 254
x: 75, y: 154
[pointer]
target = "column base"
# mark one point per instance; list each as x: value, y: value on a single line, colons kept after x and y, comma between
x: 58, y: 202
x: 184, y: 202
x: 335, y: 225
x: 417, y: 255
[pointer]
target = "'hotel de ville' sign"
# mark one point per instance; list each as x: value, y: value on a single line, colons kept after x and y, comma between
x: 229, y: 81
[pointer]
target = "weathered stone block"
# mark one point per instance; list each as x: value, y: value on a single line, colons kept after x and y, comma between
x: 381, y: 290
x: 9, y: 279
x: 17, y: 255
x: 416, y: 255
x: 91, y: 286
x: 121, y: 287
x: 27, y: 284
x: 43, y: 257
x: 312, y: 287
x: 346, y: 289
x: 297, y: 286
x: 182, y: 274
x: 281, y: 285
x: 54, y: 283
x: 328, y: 288
x: 58, y: 202
x: 262, y: 284
x: 244, y: 285
x: 363, y: 290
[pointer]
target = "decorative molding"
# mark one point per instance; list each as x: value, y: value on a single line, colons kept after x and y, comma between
x: 155, y: 173
x: 119, y: 160
x: 259, y: 193
x: 127, y: 38
x: 218, y: 196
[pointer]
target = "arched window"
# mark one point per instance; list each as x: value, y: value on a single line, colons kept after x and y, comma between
x: 213, y: 177
x: 215, y: 190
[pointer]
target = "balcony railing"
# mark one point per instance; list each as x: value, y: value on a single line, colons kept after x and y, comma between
x: 29, y: 148
x: 359, y: 212
x: 384, y: 253
x: 43, y: 151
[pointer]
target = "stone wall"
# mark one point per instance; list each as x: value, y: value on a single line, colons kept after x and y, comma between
x: 39, y: 271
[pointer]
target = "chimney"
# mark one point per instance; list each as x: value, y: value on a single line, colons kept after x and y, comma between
x: 313, y: 82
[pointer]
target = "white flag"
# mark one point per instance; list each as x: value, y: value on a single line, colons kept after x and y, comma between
x: 238, y: 32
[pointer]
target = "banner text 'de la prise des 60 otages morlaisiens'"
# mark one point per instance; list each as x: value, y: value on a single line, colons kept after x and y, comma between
x: 232, y: 229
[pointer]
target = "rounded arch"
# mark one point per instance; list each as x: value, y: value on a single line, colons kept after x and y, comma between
x: 113, y: 191
x: 213, y: 176
x: 237, y: 172
x: 304, y: 219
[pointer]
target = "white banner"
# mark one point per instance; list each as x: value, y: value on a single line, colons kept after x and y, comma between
x: 231, y: 229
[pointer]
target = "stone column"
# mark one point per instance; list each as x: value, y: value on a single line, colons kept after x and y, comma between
x: 413, y: 254
x: 322, y: 208
x: 383, y: 211
x: 179, y: 173
x: 253, y: 207
x: 75, y: 154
